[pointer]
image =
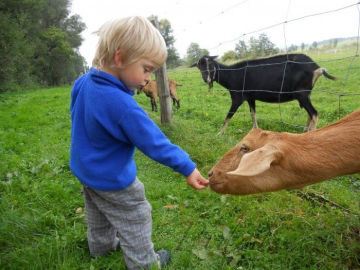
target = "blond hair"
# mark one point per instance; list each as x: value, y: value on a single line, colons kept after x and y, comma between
x: 135, y: 37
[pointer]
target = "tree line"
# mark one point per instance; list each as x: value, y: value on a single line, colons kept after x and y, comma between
x: 257, y: 47
x: 39, y: 43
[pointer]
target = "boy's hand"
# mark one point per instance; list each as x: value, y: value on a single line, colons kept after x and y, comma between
x: 196, y: 180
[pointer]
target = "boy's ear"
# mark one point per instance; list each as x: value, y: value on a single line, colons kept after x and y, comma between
x: 118, y: 59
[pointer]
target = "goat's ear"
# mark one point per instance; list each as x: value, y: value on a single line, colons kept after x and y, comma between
x: 194, y: 65
x: 213, y: 57
x: 257, y: 162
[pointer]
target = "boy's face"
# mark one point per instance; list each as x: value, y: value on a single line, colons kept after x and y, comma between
x: 137, y: 74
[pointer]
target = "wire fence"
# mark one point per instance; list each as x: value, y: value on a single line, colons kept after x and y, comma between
x: 353, y: 65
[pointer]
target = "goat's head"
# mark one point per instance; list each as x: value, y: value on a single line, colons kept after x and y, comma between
x: 207, y: 66
x: 252, y: 166
x: 268, y: 161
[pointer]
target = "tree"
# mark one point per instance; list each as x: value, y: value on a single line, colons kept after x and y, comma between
x: 173, y: 59
x: 335, y: 42
x: 257, y: 47
x: 265, y: 47
x: 18, y: 24
x: 14, y: 53
x: 229, y: 55
x: 292, y: 48
x: 314, y: 45
x: 57, y: 56
x: 74, y: 27
x: 241, y: 50
x: 194, y: 52
x: 54, y: 13
x: 59, y: 40
x: 39, y: 43
x: 302, y: 46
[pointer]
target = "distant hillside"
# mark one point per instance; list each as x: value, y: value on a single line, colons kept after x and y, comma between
x: 326, y: 41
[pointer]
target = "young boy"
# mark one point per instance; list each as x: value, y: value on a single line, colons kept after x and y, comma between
x: 107, y: 125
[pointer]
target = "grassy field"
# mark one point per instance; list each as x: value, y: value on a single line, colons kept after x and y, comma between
x: 42, y: 222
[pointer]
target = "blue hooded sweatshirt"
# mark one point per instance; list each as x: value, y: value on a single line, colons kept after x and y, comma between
x: 107, y: 124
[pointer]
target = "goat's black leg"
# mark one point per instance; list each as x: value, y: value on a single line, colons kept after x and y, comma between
x: 311, y: 123
x: 253, y: 112
x: 153, y: 105
x: 176, y: 102
x: 234, y: 106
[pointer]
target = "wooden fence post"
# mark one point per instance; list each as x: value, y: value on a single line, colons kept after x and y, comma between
x: 163, y: 90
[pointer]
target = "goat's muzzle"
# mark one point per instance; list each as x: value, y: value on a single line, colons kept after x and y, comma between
x: 215, y: 183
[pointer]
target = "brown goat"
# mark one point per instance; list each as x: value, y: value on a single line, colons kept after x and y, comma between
x: 152, y: 92
x: 268, y: 161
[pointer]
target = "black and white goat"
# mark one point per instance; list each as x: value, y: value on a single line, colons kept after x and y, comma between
x: 275, y: 79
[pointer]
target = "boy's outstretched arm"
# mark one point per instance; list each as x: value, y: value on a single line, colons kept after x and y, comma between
x: 196, y: 180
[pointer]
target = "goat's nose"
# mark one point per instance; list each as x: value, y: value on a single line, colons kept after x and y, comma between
x: 210, y: 173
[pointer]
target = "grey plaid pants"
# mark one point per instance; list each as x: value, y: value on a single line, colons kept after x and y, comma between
x: 125, y: 216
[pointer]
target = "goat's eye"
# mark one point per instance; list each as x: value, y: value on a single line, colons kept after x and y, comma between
x: 244, y: 149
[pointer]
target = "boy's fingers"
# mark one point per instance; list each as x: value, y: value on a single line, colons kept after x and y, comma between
x: 204, y: 181
x: 197, y: 181
x: 198, y: 186
x: 200, y: 183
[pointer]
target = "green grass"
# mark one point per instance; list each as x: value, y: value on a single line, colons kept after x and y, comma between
x: 41, y: 226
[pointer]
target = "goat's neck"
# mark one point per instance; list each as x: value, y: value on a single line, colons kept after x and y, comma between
x: 220, y: 68
x: 224, y: 74
x: 328, y: 152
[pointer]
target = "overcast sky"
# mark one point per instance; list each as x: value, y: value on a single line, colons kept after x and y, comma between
x: 218, y: 25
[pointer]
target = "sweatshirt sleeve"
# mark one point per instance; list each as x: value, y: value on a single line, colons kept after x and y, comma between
x: 149, y: 139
